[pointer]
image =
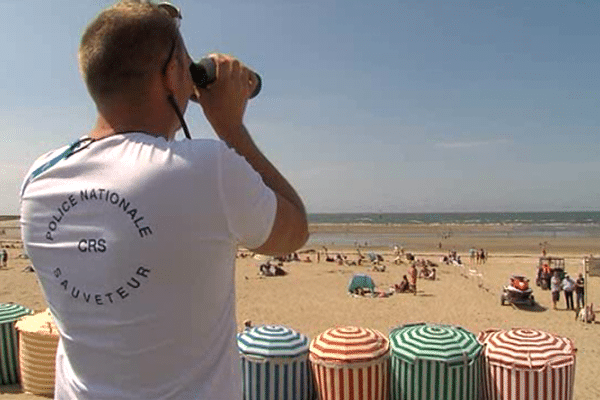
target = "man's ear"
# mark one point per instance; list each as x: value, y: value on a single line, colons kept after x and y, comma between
x: 170, y: 77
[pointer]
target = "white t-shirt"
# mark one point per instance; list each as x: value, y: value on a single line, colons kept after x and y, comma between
x: 134, y: 240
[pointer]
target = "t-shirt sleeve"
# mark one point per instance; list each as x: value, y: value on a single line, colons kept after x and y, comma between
x: 250, y: 206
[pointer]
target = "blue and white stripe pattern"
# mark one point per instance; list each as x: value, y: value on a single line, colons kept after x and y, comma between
x: 275, y: 364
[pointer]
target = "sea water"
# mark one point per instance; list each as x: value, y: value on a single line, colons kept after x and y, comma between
x: 519, y: 224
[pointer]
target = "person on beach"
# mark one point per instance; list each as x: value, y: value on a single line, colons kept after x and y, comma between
x: 3, y: 258
x: 555, y: 288
x: 568, y: 286
x: 133, y: 234
x: 403, y: 286
x: 579, y: 291
x: 412, y: 278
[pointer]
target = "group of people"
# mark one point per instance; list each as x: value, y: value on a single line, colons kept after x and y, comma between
x: 569, y: 286
x: 409, y: 281
x: 452, y: 258
x: 271, y: 269
x: 478, y: 256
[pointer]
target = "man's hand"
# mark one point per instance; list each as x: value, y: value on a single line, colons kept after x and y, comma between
x: 224, y: 101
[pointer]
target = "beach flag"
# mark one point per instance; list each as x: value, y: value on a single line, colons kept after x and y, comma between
x: 351, y: 363
x: 527, y: 364
x: 434, y: 362
x: 38, y: 341
x: 275, y: 364
x: 9, y: 344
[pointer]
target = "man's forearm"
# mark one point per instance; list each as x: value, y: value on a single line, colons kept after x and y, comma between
x: 239, y: 139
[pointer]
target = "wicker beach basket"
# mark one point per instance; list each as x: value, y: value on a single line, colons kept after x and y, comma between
x: 38, y: 341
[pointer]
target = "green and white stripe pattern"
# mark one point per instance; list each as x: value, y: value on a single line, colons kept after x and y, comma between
x: 9, y: 351
x: 275, y: 364
x: 434, y: 362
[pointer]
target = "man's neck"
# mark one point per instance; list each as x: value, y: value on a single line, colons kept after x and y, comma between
x: 105, y: 129
x: 156, y: 122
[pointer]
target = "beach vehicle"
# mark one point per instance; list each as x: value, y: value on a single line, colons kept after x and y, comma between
x: 547, y: 266
x: 517, y: 291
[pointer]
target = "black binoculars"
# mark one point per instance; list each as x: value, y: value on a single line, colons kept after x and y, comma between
x: 204, y: 72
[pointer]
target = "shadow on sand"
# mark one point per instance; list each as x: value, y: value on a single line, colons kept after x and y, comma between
x: 536, y: 307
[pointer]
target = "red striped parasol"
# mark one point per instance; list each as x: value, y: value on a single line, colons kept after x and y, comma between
x: 527, y: 364
x: 527, y: 348
x: 349, y: 344
x: 350, y: 363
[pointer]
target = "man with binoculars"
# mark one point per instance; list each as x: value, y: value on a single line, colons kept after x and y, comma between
x: 133, y: 234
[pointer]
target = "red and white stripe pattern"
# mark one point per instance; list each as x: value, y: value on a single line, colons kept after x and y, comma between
x: 351, y: 363
x: 527, y: 364
x: 364, y: 382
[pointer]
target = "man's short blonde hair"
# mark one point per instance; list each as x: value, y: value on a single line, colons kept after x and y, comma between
x: 123, y: 47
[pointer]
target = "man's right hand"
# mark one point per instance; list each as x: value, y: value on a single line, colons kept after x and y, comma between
x: 224, y: 101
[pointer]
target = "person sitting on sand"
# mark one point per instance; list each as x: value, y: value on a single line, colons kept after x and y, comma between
x: 432, y: 275
x: 265, y: 269
x: 378, y: 268
x: 403, y: 286
x: 424, y: 273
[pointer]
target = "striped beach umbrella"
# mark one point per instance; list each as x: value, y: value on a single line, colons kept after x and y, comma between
x: 38, y: 341
x: 9, y: 353
x: 275, y: 364
x: 431, y: 361
x: 350, y: 363
x: 529, y: 364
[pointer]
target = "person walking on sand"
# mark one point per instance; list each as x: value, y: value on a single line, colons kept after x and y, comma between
x: 555, y: 287
x: 412, y: 278
x: 133, y: 234
x: 579, y: 291
x: 568, y: 286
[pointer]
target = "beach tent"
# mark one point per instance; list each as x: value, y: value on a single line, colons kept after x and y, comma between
x: 434, y: 362
x: 9, y: 314
x: 350, y: 363
x: 363, y: 281
x: 275, y: 364
x: 38, y: 341
x: 527, y: 364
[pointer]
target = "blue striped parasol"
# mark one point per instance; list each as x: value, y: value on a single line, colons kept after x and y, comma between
x: 272, y: 341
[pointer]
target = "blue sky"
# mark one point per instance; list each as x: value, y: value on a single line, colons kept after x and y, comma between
x: 380, y: 106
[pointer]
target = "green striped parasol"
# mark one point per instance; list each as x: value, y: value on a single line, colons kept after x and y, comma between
x: 9, y: 314
x: 445, y: 343
x: 434, y: 362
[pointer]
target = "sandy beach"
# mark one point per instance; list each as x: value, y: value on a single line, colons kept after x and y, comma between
x: 312, y: 297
